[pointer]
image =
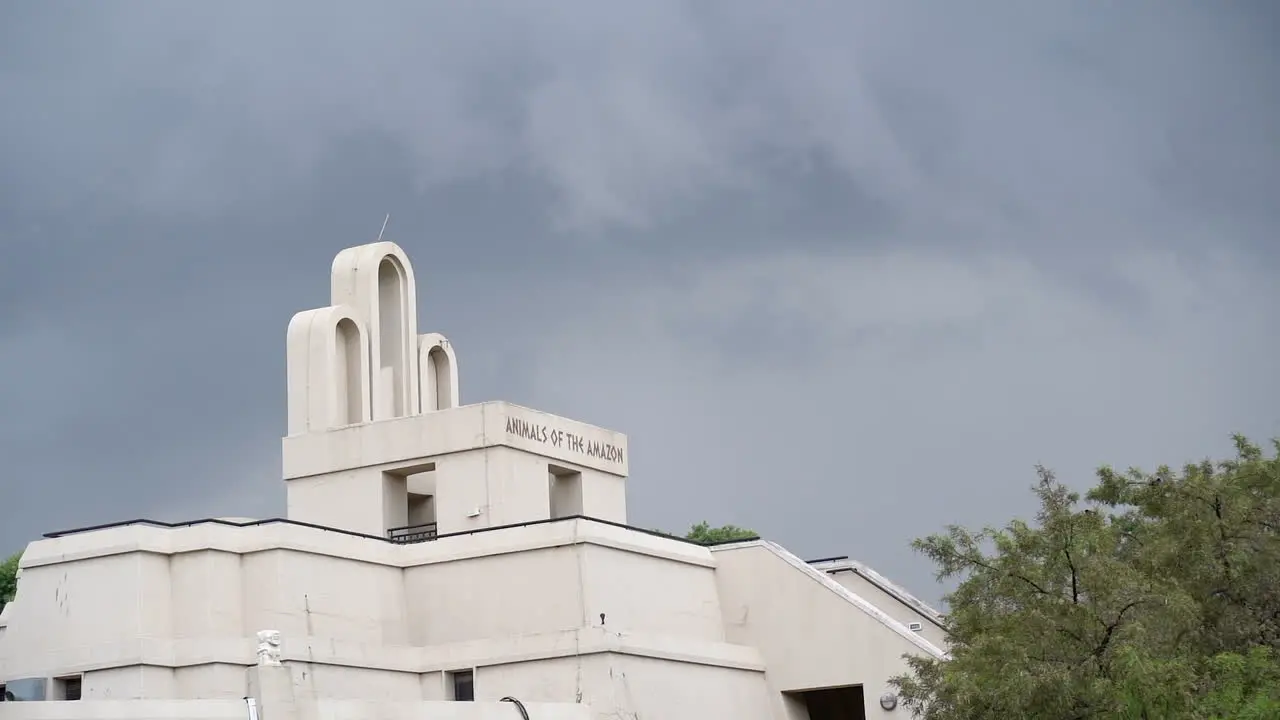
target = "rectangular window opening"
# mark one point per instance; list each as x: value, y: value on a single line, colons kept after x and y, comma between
x: 420, y: 507
x: 462, y: 686
x: 67, y: 688
x: 564, y: 487
x: 836, y: 703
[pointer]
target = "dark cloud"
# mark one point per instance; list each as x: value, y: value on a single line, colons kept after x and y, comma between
x: 843, y: 271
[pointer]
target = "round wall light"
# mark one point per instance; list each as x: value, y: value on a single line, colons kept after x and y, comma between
x: 888, y: 701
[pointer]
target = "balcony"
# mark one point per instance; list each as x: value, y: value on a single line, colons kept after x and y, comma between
x: 412, y: 534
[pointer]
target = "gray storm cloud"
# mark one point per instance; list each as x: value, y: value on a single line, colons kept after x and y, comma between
x: 927, y: 245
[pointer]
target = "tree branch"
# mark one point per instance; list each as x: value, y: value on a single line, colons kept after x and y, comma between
x: 1075, y: 580
x: 1111, y: 629
x: 991, y: 568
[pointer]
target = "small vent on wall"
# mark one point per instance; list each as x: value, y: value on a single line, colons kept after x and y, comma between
x: 915, y: 626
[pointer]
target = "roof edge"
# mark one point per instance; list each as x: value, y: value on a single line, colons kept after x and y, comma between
x: 883, y: 583
x: 852, y: 597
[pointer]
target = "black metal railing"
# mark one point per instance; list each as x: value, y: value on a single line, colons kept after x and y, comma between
x: 208, y: 521
x: 429, y: 530
x: 412, y: 533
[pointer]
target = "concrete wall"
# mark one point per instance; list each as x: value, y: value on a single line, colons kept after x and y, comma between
x: 811, y: 632
x: 151, y: 612
x: 282, y: 694
x: 490, y: 460
x: 890, y: 604
x: 129, y: 710
x: 366, y: 710
x: 637, y: 593
x: 145, y: 612
x: 322, y: 710
x: 621, y: 686
x: 537, y: 591
x: 281, y: 698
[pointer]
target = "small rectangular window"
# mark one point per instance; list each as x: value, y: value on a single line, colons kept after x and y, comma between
x: 565, y: 487
x: 67, y: 688
x: 462, y: 686
x: 915, y: 627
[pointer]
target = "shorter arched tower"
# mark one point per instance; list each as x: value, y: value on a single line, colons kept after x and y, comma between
x: 379, y: 443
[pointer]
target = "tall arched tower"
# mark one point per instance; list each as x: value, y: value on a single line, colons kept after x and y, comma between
x: 379, y: 444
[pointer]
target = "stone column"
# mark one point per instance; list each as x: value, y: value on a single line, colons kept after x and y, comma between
x: 269, y: 684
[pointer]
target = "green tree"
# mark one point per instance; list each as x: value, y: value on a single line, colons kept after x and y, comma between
x: 707, y: 535
x: 1241, y: 687
x: 1155, y: 598
x: 9, y: 579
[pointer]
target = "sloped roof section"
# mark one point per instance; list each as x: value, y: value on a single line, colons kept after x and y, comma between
x: 826, y: 582
x: 830, y: 565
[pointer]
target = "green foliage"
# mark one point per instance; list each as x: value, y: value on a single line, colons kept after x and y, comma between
x: 1158, y: 597
x: 1242, y: 687
x: 705, y: 534
x: 9, y: 579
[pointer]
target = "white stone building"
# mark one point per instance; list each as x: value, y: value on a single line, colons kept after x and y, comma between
x: 435, y: 553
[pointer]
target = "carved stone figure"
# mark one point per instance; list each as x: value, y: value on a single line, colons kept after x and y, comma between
x: 269, y: 647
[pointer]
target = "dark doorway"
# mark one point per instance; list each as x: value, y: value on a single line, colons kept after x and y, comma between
x: 840, y: 703
x: 462, y: 686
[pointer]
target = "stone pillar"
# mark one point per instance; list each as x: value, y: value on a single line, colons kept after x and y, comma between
x: 269, y: 684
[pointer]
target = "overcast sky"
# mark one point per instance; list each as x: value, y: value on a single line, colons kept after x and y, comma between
x: 843, y: 271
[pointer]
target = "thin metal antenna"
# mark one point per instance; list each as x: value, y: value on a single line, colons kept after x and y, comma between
x: 384, y: 227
